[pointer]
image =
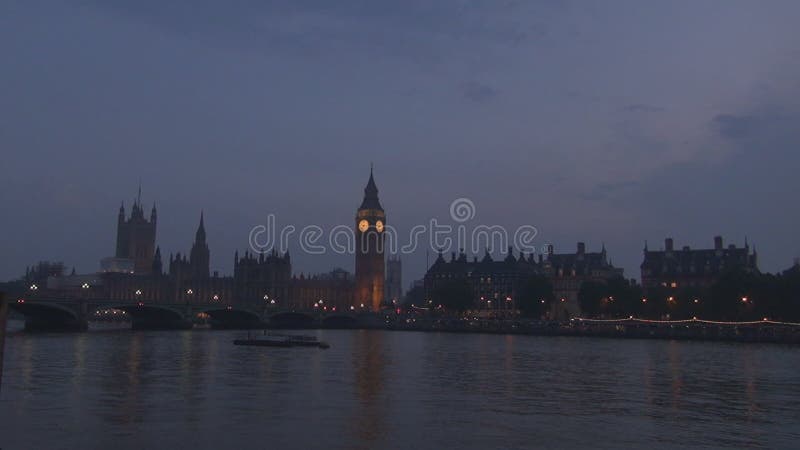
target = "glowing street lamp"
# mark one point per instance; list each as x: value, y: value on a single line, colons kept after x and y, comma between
x: 85, y: 286
x: 745, y: 299
x: 138, y: 293
x: 34, y: 287
x: 189, y: 292
x: 215, y: 297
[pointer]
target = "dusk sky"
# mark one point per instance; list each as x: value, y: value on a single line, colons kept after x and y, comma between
x: 606, y: 122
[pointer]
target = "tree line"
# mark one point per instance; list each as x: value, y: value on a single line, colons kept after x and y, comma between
x: 737, y: 295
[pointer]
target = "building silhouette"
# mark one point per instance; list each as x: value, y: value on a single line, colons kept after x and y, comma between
x: 199, y: 256
x: 394, y: 280
x: 496, y: 284
x: 331, y: 291
x: 688, y: 268
x: 369, y: 236
x: 568, y: 272
x: 136, y: 237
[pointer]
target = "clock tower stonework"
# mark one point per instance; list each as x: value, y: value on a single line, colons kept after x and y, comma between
x: 370, y: 264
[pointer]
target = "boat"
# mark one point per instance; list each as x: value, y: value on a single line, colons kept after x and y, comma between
x: 282, y: 340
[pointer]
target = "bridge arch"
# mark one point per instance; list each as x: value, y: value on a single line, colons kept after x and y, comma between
x: 154, y: 317
x: 49, y: 316
x: 232, y: 318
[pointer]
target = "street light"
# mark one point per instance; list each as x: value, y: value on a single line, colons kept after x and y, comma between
x: 34, y: 287
x: 744, y: 299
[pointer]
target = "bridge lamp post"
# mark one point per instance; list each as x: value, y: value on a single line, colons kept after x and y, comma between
x: 138, y: 294
x: 215, y: 297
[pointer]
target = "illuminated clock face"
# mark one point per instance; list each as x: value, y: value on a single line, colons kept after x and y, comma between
x: 379, y: 226
x: 363, y: 225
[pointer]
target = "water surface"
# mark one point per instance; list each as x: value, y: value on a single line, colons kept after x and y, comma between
x: 401, y: 390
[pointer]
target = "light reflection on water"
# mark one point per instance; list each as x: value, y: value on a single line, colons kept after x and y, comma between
x: 373, y: 389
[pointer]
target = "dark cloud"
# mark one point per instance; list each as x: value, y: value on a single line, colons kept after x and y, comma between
x: 478, y: 92
x: 735, y: 127
x: 253, y: 106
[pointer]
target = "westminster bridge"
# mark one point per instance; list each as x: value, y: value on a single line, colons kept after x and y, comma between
x: 48, y: 312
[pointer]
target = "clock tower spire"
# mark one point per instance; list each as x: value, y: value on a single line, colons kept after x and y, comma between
x: 370, y: 264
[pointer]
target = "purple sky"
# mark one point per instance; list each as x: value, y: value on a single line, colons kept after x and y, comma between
x: 615, y: 122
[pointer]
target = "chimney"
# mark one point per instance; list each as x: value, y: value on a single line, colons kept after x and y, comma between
x: 717, y: 242
x: 581, y: 248
x: 668, y: 244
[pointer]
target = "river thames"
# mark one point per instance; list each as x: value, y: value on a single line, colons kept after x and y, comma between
x: 115, y: 388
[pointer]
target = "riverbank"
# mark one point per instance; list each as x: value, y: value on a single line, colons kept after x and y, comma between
x: 693, y: 329
x: 697, y: 330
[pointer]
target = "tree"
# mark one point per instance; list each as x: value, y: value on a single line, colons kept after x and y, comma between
x: 615, y: 297
x: 739, y: 295
x: 535, y: 296
x: 414, y: 296
x: 454, y: 295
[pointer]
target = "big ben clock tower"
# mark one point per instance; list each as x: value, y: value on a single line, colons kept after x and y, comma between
x: 370, y: 270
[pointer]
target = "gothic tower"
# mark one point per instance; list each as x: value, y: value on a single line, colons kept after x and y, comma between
x: 199, y: 257
x: 370, y: 269
x: 136, y: 236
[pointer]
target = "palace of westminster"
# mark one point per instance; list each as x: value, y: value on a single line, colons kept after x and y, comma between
x: 139, y: 271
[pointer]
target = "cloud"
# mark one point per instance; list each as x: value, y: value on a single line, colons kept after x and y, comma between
x: 478, y: 92
x: 321, y: 22
x: 735, y: 127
